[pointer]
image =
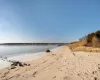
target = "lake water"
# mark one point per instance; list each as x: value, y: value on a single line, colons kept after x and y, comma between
x: 15, y: 50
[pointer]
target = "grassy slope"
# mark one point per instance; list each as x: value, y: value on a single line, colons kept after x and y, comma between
x: 79, y: 46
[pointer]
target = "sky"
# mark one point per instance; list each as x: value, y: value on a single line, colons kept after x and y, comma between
x: 47, y: 20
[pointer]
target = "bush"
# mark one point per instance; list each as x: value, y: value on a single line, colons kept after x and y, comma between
x: 89, y: 37
x: 97, y: 34
x: 93, y: 39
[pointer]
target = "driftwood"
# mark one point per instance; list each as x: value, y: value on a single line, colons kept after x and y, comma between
x: 15, y: 63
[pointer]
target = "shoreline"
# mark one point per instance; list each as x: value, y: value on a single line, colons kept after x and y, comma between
x: 24, y: 57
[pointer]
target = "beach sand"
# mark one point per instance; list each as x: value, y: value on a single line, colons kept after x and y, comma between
x: 21, y: 57
x: 59, y: 64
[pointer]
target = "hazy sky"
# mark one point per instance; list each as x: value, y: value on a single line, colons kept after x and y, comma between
x: 47, y: 20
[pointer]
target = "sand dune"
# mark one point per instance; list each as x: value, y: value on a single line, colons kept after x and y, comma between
x: 60, y: 64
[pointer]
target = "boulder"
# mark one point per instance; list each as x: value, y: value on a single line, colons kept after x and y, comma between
x: 48, y: 51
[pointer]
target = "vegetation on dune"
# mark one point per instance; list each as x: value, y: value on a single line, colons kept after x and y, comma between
x: 92, y: 39
x: 89, y: 43
x: 98, y: 34
x: 89, y: 37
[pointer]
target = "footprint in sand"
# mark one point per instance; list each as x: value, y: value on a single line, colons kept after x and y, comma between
x: 66, y: 78
x: 34, y: 73
x: 74, y: 54
x: 5, y: 74
x: 54, y: 77
x: 95, y: 78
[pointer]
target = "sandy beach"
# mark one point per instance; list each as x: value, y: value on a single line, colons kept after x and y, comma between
x: 23, y: 58
x: 59, y: 64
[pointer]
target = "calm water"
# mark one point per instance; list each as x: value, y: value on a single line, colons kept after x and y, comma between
x: 14, y: 50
